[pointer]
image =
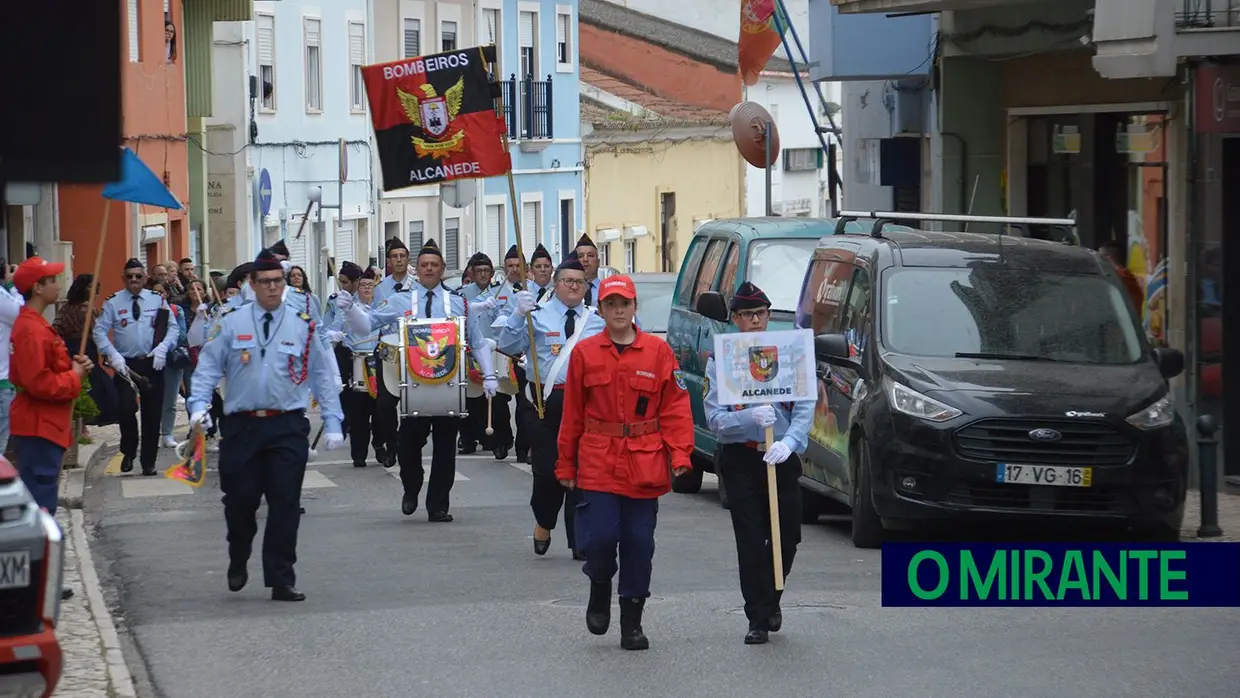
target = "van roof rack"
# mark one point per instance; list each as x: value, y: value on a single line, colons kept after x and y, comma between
x: 882, y: 218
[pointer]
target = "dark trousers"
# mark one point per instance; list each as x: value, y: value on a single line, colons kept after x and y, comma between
x: 525, y: 412
x: 344, y: 361
x: 741, y: 467
x: 414, y: 432
x: 38, y: 463
x: 385, y: 423
x: 359, y: 410
x: 474, y: 427
x: 607, y: 522
x: 264, y: 458
x: 152, y: 411
x: 548, y: 494
x: 217, y: 413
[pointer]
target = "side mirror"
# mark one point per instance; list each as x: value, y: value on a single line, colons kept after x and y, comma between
x: 1170, y: 362
x: 832, y: 349
x: 710, y: 304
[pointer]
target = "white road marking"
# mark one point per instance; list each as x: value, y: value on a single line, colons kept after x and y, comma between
x: 153, y: 487
x: 395, y: 472
x: 315, y: 480
x: 523, y: 467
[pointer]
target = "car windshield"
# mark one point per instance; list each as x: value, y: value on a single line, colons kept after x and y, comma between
x: 778, y: 268
x: 654, y: 303
x: 994, y: 312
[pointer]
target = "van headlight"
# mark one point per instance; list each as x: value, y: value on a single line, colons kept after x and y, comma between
x: 905, y: 399
x: 1156, y: 416
x: 53, y: 567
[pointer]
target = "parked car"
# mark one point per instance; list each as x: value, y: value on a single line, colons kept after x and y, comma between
x: 31, y: 570
x: 772, y: 253
x: 975, y: 376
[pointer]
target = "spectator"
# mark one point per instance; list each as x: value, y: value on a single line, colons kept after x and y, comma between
x: 174, y: 369
x: 69, y: 324
x: 1112, y: 252
x: 10, y: 305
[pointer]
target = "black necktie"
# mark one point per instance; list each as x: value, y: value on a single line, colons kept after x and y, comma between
x: 137, y: 308
x: 590, y: 293
x: 570, y: 323
x: 266, y: 325
x: 397, y: 287
x: 430, y: 296
x: 541, y: 293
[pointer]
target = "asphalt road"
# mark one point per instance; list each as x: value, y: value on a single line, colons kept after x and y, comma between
x: 401, y: 607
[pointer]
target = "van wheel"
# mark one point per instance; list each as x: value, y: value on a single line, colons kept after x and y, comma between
x: 723, y: 492
x: 867, y: 526
x: 811, y: 506
x: 689, y: 483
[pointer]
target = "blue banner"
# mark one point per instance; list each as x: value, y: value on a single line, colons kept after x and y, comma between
x: 1061, y: 574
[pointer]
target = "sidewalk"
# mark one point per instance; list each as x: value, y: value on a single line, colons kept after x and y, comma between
x: 1228, y: 518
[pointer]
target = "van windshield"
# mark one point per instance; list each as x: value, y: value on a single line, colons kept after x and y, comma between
x: 994, y: 312
x: 778, y: 268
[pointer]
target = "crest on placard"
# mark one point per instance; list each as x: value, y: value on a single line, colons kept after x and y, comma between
x: 764, y: 363
x: 434, y: 114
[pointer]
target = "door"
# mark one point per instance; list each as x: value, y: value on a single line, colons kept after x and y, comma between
x: 682, y: 322
x: 844, y: 386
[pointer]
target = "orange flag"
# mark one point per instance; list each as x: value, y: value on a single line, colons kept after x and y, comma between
x: 760, y: 37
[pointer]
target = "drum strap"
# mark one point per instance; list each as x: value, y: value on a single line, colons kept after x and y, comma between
x: 447, y: 304
x: 563, y: 357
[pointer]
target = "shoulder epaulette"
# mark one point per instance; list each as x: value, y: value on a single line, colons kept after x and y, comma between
x: 298, y: 290
x: 227, y: 311
x: 332, y: 297
x: 304, y: 316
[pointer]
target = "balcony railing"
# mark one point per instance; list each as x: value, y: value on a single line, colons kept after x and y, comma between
x: 1208, y: 14
x: 526, y: 107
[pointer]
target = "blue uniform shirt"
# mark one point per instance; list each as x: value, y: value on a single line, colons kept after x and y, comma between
x: 507, y: 297
x: 549, y: 337
x: 735, y: 425
x: 132, y: 337
x: 413, y: 304
x: 257, y: 369
x: 486, y: 316
x: 387, y: 287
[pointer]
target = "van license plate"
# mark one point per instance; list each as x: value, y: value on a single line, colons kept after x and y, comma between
x: 1057, y: 475
x: 15, y: 569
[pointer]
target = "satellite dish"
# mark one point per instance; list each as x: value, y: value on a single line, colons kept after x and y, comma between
x: 749, y: 123
x: 459, y: 193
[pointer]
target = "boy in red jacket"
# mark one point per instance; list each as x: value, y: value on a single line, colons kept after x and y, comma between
x: 47, y: 384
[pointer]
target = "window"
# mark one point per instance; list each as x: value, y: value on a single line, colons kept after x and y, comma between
x: 492, y: 33
x: 417, y: 234
x: 727, y: 285
x: 527, y: 42
x: 604, y: 255
x: 688, y: 273
x: 447, y: 36
x: 778, y: 268
x: 630, y: 256
x: 412, y: 38
x: 531, y: 224
x: 825, y: 290
x: 452, y: 243
x: 802, y: 159
x: 267, y: 62
x: 170, y: 35
x: 710, y: 269
x: 494, y: 231
x: 314, y: 65
x: 357, y: 58
x: 134, y: 34
x: 568, y: 220
x: 564, y: 37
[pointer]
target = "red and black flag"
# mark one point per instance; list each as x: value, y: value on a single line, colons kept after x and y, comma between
x: 435, y: 118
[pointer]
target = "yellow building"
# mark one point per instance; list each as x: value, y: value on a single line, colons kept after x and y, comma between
x: 654, y: 171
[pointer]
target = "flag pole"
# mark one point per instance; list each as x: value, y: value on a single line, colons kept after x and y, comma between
x: 514, y: 204
x: 90, y: 298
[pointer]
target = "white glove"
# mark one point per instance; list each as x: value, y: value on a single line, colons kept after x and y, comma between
x: 333, y: 441
x: 525, y: 303
x: 490, y: 386
x: 202, y: 308
x: 763, y: 415
x: 335, y: 336
x: 358, y: 320
x: 778, y: 453
x: 521, y: 362
x: 286, y: 265
x: 160, y: 354
x: 485, y: 304
x: 118, y: 363
x: 344, y: 300
x: 201, y: 419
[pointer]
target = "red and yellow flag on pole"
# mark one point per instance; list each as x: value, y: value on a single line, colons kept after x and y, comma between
x: 761, y: 36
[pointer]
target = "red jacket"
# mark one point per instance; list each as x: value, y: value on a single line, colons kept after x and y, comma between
x: 601, y: 397
x: 46, y: 384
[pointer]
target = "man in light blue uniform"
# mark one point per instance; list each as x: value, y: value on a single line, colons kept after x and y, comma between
x: 742, y: 466
x: 428, y: 298
x: 587, y: 254
x: 484, y: 306
x: 133, y: 349
x: 360, y: 406
x: 399, y: 278
x: 540, y: 286
x: 559, y: 322
x: 271, y: 356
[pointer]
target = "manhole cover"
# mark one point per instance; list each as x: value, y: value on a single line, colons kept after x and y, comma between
x: 581, y: 603
x: 795, y: 609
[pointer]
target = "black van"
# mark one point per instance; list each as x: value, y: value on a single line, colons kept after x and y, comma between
x: 967, y: 375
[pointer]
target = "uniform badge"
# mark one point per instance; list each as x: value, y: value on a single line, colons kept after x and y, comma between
x: 304, y: 316
x: 245, y: 356
x: 705, y: 386
x: 124, y: 322
x: 679, y: 375
x: 214, y: 331
x: 555, y: 349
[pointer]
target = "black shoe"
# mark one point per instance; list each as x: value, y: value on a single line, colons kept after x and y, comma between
x: 756, y: 636
x: 148, y: 472
x: 391, y: 461
x: 541, y: 546
x: 579, y: 556
x: 500, y: 453
x: 631, y: 635
x: 408, y: 504
x: 359, y: 464
x: 237, y: 578
x: 467, y: 450
x: 523, y: 456
x: 380, y: 455
x: 283, y: 593
x: 598, y: 610
x: 775, y: 622
x: 127, y: 464
x: 439, y: 517
x: 302, y: 510
x: 66, y: 594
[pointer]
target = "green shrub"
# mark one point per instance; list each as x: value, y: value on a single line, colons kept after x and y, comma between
x: 84, y: 407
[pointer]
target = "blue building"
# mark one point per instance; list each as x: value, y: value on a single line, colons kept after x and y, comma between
x: 536, y: 44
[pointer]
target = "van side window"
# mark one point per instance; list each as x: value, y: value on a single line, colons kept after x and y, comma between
x: 829, y: 289
x: 710, y: 270
x: 727, y: 284
x: 688, y: 273
x: 856, y: 322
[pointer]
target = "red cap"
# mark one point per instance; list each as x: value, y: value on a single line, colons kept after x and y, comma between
x: 33, y: 270
x: 617, y: 286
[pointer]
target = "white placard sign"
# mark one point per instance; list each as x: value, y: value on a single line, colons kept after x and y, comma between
x: 765, y: 367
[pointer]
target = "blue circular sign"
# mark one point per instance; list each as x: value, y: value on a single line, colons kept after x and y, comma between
x: 264, y: 191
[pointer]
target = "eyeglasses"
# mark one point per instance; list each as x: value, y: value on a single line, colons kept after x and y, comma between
x: 135, y: 277
x: 269, y: 282
x: 573, y: 282
x: 752, y: 315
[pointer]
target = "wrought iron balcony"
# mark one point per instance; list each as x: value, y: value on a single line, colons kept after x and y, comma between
x: 919, y: 6
x: 1208, y: 14
x: 526, y: 108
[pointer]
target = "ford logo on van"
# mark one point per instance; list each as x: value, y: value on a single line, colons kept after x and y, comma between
x: 1045, y: 435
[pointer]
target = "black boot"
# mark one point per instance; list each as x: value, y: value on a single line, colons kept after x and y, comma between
x: 598, y: 611
x: 776, y: 620
x: 631, y: 635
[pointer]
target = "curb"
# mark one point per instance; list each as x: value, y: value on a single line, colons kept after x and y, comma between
x: 73, y: 482
x: 118, y: 671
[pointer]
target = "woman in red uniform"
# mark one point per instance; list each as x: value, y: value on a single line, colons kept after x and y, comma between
x: 627, y: 427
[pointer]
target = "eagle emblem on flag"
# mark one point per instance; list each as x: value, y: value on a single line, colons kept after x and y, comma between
x: 433, y: 113
x: 764, y: 363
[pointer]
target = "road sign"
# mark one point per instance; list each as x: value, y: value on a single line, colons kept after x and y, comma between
x: 264, y: 191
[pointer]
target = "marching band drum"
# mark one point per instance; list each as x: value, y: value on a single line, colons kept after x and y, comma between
x: 504, y: 366
x: 361, y: 371
x: 424, y: 367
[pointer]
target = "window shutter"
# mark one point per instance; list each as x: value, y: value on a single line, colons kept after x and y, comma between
x: 313, y: 32
x: 413, y: 38
x: 417, y: 235
x: 135, y: 51
x: 345, y: 243
x: 529, y: 225
x: 495, y: 221
x: 491, y: 30
x: 357, y: 44
x: 561, y: 29
x: 266, y: 39
x: 451, y: 242
x: 526, y: 30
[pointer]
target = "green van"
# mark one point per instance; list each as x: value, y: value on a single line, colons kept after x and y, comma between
x: 773, y: 253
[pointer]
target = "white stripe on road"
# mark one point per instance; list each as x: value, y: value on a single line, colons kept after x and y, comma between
x: 153, y: 487
x: 394, y: 471
x: 315, y: 480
